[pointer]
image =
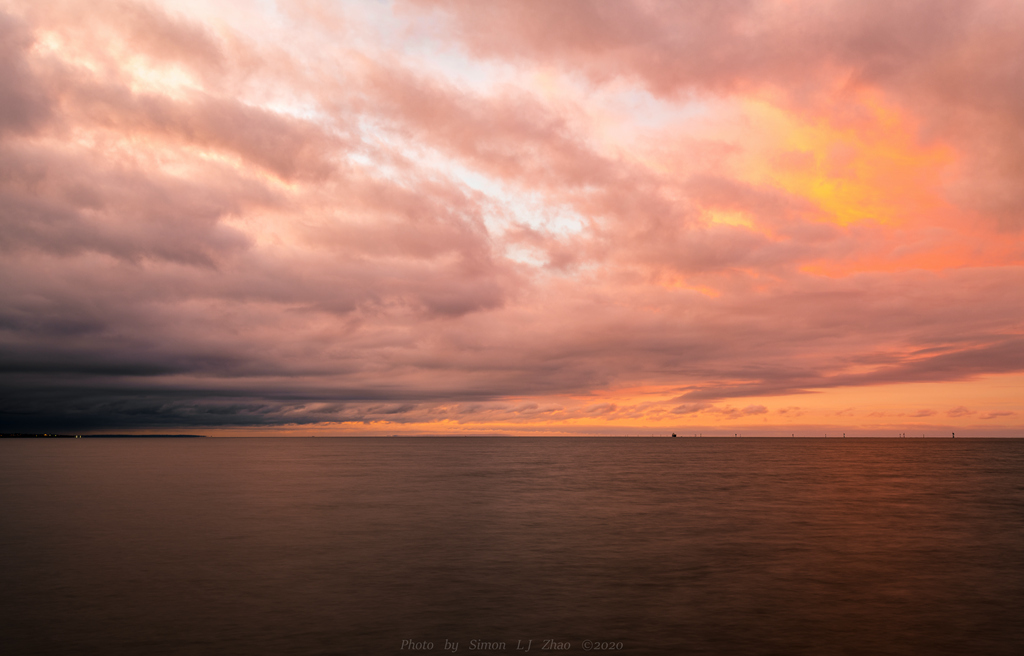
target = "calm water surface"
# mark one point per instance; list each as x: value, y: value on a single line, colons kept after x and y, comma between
x: 352, y: 546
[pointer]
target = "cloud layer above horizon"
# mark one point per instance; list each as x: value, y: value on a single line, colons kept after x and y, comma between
x: 561, y: 217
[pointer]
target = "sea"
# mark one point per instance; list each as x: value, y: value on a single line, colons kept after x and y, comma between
x: 511, y: 545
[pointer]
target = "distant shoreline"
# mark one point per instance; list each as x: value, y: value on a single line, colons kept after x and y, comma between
x: 49, y: 435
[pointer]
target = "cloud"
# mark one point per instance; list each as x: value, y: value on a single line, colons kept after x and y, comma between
x: 690, y: 408
x: 994, y: 415
x: 25, y: 102
x: 485, y: 214
x: 726, y: 411
x: 285, y: 146
x: 949, y: 68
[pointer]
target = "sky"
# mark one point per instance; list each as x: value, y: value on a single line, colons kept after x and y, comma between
x: 326, y: 217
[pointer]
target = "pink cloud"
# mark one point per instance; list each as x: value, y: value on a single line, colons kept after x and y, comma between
x: 228, y: 222
x: 26, y: 104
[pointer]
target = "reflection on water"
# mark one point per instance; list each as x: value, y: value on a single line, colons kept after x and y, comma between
x: 352, y: 546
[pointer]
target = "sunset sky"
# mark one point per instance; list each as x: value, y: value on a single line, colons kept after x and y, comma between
x: 327, y: 217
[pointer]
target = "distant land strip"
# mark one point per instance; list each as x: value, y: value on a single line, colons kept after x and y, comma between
x: 3, y: 435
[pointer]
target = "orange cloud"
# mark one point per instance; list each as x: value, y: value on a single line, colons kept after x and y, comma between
x: 868, y: 164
